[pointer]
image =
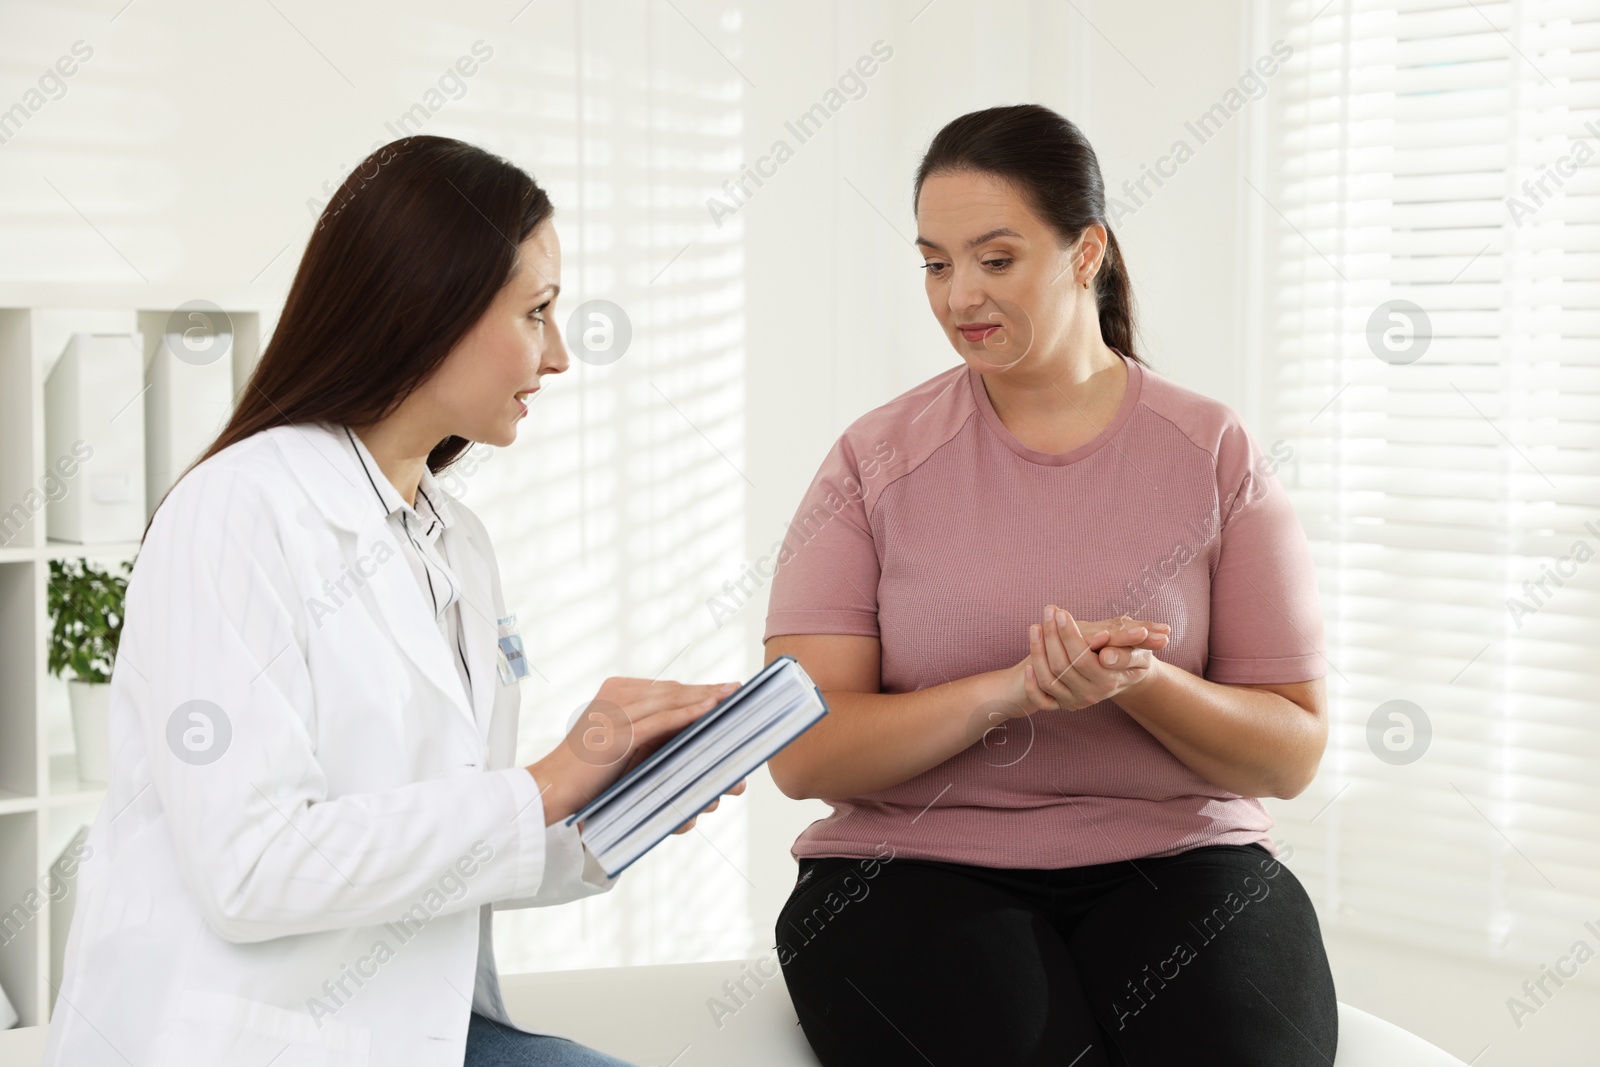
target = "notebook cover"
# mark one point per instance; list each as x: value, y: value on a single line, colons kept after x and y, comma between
x: 687, y: 734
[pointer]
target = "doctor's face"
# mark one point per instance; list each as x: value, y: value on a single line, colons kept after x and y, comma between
x: 486, y: 384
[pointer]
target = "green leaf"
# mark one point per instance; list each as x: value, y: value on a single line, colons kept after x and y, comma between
x: 86, y: 611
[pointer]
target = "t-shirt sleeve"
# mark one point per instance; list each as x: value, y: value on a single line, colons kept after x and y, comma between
x: 827, y: 564
x: 1266, y: 619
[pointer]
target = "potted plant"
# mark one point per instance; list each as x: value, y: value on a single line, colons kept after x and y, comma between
x: 86, y: 624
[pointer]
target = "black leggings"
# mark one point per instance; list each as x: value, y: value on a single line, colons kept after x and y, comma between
x: 1211, y: 956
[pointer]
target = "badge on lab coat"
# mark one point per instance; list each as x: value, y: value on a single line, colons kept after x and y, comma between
x: 509, y: 658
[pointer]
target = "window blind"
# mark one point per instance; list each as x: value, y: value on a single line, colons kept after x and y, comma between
x: 1428, y: 183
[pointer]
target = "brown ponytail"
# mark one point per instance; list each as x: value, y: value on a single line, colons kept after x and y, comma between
x: 1113, y: 295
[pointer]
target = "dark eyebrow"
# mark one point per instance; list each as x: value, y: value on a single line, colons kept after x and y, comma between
x: 1003, y: 231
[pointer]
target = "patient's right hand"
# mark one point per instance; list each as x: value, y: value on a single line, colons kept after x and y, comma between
x: 1019, y: 689
x: 1126, y: 632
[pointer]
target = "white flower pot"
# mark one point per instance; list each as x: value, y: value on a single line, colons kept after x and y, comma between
x: 91, y: 729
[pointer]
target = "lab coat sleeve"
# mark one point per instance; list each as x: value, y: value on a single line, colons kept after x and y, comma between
x: 215, y: 628
x: 571, y: 871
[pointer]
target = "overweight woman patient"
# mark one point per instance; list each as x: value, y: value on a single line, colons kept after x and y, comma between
x: 1067, y: 626
x: 314, y: 804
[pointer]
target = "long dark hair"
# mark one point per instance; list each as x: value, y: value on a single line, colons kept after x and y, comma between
x: 405, y: 258
x: 1051, y: 162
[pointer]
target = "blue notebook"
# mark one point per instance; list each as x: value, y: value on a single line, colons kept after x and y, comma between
x: 707, y: 758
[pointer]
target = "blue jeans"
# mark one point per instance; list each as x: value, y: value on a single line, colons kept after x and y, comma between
x: 491, y: 1045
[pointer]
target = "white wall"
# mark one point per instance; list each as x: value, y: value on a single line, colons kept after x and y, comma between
x: 180, y: 161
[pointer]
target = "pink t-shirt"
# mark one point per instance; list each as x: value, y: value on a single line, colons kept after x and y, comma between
x: 932, y: 528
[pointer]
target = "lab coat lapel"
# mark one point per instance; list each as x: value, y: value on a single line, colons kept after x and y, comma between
x: 331, y: 474
x: 405, y: 611
x: 479, y: 629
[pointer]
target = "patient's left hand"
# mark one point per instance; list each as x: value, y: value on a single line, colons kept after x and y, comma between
x: 735, y: 791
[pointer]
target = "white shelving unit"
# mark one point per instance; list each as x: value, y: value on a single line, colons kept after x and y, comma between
x: 42, y: 802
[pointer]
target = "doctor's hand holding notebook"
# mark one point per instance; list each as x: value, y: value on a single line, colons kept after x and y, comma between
x: 627, y: 721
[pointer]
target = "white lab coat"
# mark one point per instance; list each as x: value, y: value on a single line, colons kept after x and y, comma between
x: 254, y: 909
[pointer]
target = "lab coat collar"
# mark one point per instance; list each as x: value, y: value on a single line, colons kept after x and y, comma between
x: 322, y: 460
x: 430, y: 498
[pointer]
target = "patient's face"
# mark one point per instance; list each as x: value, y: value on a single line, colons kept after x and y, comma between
x: 998, y: 278
x: 484, y: 384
